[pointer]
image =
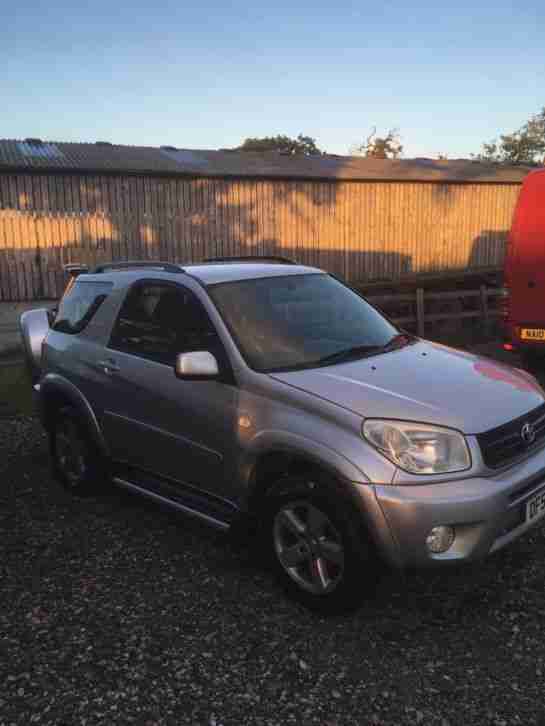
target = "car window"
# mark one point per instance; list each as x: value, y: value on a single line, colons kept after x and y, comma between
x: 159, y: 321
x: 79, y: 304
x: 298, y: 321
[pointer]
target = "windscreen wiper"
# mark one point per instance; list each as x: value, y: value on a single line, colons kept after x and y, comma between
x: 360, y: 351
x: 356, y: 351
x: 398, y: 341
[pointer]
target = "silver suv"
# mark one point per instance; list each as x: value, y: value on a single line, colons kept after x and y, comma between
x: 268, y: 397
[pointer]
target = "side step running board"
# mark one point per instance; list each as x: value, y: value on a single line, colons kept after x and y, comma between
x: 212, y: 521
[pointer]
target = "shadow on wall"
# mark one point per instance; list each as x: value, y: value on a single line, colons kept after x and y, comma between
x: 488, y: 249
x: 337, y: 227
x: 98, y: 219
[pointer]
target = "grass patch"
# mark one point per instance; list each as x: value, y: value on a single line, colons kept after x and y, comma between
x: 15, y: 390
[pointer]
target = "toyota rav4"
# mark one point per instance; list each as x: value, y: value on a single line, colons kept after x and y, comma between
x: 268, y: 397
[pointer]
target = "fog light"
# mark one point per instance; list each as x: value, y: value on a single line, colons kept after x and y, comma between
x: 440, y: 539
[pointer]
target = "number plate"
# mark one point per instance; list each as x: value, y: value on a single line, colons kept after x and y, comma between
x: 532, y: 334
x: 535, y: 507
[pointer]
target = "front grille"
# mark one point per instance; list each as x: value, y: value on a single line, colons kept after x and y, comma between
x: 533, y: 485
x: 501, y: 445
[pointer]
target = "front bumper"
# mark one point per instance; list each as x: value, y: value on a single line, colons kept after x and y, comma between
x: 487, y: 513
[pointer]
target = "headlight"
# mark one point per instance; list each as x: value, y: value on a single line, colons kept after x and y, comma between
x: 418, y: 448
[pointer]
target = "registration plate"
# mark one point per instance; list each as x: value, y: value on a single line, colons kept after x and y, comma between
x: 532, y: 334
x: 535, y: 507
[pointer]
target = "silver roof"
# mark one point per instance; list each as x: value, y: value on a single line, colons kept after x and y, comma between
x: 208, y: 274
x: 230, y: 272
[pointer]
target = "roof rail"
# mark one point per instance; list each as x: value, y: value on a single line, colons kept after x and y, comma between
x: 253, y: 258
x: 150, y: 264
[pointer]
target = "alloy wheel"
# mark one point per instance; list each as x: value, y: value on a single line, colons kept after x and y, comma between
x: 309, y: 547
x: 70, y: 451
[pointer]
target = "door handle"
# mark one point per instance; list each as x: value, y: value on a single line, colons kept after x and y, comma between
x: 108, y: 366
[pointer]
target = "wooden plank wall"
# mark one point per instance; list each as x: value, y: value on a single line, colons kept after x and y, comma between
x: 363, y: 231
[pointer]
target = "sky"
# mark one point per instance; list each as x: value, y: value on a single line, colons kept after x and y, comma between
x: 208, y: 74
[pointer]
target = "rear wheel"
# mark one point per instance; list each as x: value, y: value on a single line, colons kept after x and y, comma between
x: 77, y: 463
x: 319, y: 549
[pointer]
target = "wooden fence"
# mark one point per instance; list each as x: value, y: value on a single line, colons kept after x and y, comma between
x: 417, y: 301
x: 361, y: 231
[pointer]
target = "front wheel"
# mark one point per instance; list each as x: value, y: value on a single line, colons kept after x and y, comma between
x: 319, y: 549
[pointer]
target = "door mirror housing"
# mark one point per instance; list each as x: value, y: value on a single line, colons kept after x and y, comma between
x: 199, y: 364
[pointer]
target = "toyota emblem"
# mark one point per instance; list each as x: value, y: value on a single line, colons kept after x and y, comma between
x: 528, y: 433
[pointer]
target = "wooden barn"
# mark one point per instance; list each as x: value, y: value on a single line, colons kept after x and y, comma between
x: 364, y: 219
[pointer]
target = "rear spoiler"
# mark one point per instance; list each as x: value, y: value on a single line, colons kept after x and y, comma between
x: 75, y: 269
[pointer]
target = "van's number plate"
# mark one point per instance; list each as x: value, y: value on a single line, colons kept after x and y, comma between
x: 535, y: 507
x: 532, y: 334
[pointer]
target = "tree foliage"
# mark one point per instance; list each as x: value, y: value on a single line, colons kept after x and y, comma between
x: 525, y: 146
x: 301, y: 145
x: 380, y: 147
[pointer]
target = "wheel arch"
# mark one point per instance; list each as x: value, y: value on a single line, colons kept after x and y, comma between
x: 275, y: 463
x: 56, y: 392
x: 276, y: 458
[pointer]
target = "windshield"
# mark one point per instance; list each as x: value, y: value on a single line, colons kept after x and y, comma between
x: 299, y: 321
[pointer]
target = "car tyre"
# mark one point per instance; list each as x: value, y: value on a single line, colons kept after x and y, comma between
x: 318, y: 547
x: 77, y: 463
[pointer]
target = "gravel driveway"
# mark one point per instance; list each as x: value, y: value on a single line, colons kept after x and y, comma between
x: 114, y: 611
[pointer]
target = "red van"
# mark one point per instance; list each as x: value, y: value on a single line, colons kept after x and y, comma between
x: 525, y: 272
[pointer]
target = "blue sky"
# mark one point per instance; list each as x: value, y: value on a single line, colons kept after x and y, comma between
x: 208, y: 74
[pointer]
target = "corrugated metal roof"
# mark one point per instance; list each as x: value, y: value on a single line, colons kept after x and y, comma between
x: 41, y: 151
x: 103, y: 157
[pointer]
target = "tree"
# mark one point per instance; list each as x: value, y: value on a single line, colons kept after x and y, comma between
x: 305, y: 145
x: 380, y: 147
x: 525, y: 146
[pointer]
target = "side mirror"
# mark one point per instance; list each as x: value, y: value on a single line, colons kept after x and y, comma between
x: 199, y: 364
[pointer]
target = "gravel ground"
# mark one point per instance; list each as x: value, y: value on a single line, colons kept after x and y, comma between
x: 114, y: 611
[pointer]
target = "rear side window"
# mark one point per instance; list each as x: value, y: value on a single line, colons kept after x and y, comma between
x: 78, y: 305
x: 158, y: 321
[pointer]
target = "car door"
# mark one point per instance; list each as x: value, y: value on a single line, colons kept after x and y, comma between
x: 182, y: 430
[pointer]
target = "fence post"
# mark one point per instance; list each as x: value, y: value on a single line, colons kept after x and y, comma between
x: 420, y: 311
x: 484, y: 309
